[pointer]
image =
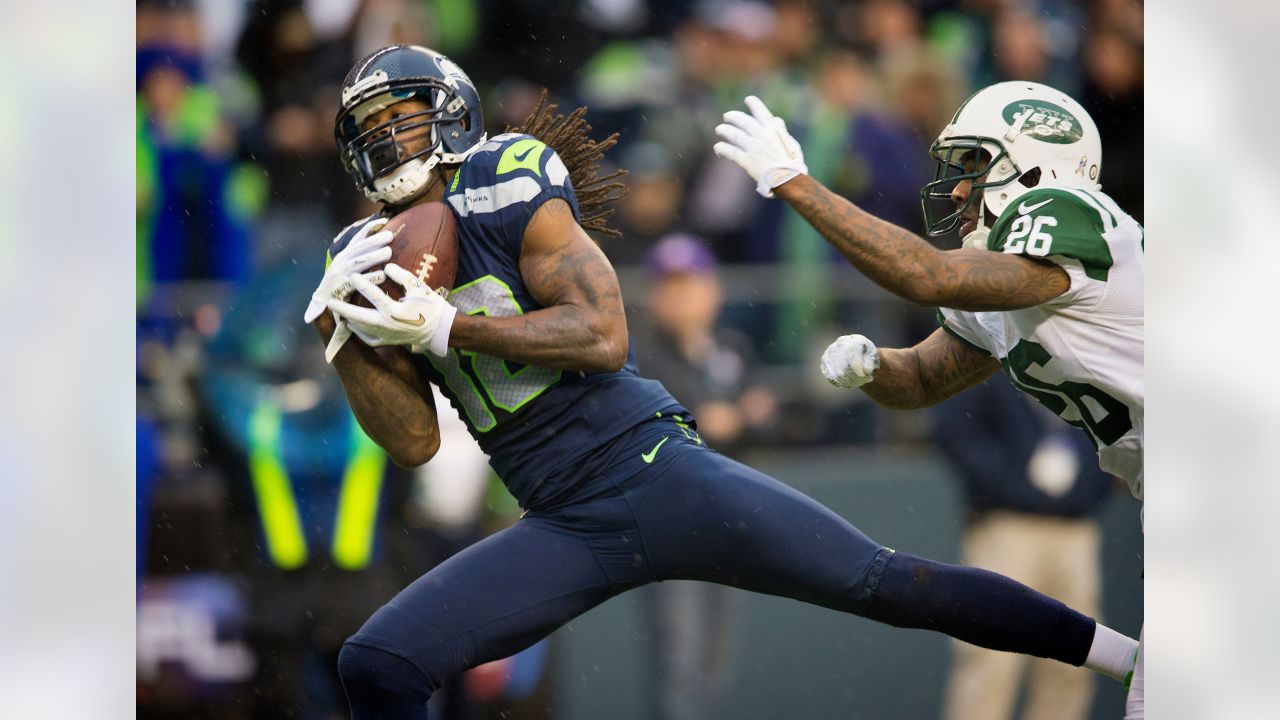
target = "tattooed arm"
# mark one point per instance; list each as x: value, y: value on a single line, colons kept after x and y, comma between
x: 581, y: 325
x: 935, y: 369
x: 391, y: 401
x: 906, y: 265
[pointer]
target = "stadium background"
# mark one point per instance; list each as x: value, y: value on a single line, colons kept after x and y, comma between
x: 239, y: 189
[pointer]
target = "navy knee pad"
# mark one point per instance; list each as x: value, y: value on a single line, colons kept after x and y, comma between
x: 382, y: 685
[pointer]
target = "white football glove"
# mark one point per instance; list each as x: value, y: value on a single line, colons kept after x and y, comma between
x: 421, y: 319
x: 761, y: 145
x: 850, y: 361
x: 363, y: 252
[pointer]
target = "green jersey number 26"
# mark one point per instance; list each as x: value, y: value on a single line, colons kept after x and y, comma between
x: 1091, y: 409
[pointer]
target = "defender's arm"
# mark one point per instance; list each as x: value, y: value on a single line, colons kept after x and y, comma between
x: 906, y: 265
x: 392, y: 403
x: 581, y: 326
x: 928, y: 373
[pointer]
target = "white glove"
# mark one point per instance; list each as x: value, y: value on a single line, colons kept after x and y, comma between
x: 850, y: 361
x: 421, y: 319
x: 363, y: 252
x: 761, y: 145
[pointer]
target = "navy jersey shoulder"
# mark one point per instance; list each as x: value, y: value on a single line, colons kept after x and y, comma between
x: 504, y: 182
x: 541, y: 427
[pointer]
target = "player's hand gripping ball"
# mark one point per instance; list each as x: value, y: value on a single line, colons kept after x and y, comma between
x: 366, y: 250
x: 420, y: 319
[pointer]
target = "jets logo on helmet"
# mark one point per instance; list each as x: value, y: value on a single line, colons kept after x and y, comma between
x: 1009, y: 138
x: 1043, y: 121
x: 377, y: 158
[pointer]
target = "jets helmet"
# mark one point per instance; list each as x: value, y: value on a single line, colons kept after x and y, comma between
x: 377, y: 158
x: 1009, y: 138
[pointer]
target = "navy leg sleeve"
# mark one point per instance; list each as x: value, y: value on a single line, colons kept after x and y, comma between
x: 489, y: 601
x: 979, y: 607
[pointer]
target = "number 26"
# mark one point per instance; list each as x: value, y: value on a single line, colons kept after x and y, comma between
x: 1029, y: 232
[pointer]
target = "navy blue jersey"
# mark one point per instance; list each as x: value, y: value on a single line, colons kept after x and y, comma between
x: 543, y: 429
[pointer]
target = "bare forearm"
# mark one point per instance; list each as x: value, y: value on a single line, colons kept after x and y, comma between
x: 906, y: 265
x: 897, y: 383
x: 560, y: 337
x: 894, y: 258
x: 925, y: 375
x: 391, y: 410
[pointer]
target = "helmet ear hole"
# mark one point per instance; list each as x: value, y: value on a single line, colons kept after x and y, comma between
x: 1030, y: 178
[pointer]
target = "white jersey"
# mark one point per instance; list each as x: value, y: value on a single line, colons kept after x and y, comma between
x: 1080, y: 354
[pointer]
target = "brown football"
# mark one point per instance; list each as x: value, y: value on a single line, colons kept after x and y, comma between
x: 425, y: 244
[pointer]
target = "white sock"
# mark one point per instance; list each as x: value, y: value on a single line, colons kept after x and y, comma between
x: 1111, y: 654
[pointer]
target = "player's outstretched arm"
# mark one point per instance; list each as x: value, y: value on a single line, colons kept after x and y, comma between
x: 903, y: 263
x: 928, y: 373
x: 581, y: 326
x: 390, y: 400
x: 896, y: 259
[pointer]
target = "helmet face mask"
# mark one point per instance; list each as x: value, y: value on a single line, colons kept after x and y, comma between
x: 376, y: 152
x: 386, y: 161
x: 1032, y: 133
x: 982, y: 160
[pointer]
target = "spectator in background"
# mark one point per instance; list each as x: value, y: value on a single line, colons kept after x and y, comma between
x: 190, y: 225
x: 877, y: 28
x: 709, y: 371
x: 297, y: 73
x: 1037, y: 44
x: 1030, y: 485
x: 1113, y: 95
x: 651, y: 207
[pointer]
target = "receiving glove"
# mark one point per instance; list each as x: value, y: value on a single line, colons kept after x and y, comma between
x: 850, y: 361
x: 363, y: 252
x: 761, y: 145
x: 421, y: 319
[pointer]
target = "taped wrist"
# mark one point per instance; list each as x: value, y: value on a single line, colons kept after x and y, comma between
x: 439, y: 343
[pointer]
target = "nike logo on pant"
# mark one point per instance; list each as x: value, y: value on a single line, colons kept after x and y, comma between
x: 649, y: 456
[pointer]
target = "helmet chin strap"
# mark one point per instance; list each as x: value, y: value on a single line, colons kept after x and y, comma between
x: 405, y: 183
x: 977, y: 238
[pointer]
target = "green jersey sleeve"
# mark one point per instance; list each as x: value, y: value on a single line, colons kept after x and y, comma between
x: 1065, y: 226
x: 1053, y: 223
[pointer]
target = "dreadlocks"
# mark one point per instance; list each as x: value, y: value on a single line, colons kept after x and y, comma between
x: 582, y: 156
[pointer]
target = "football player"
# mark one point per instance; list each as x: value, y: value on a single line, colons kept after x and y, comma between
x: 532, y: 348
x: 1048, y: 285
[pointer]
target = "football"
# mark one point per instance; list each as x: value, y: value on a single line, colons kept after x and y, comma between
x: 426, y: 244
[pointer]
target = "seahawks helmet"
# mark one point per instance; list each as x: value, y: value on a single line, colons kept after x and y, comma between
x: 1032, y: 136
x: 382, y: 167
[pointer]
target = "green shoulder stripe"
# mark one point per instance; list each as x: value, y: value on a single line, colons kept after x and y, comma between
x: 942, y: 323
x: 1056, y: 222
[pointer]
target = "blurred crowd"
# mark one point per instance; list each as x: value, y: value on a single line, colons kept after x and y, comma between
x: 259, y: 495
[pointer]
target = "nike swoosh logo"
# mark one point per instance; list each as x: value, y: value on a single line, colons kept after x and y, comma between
x: 1025, y: 209
x: 417, y: 322
x: 649, y: 456
x: 521, y: 156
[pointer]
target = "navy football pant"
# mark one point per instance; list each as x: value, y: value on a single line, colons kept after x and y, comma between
x: 689, y: 514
